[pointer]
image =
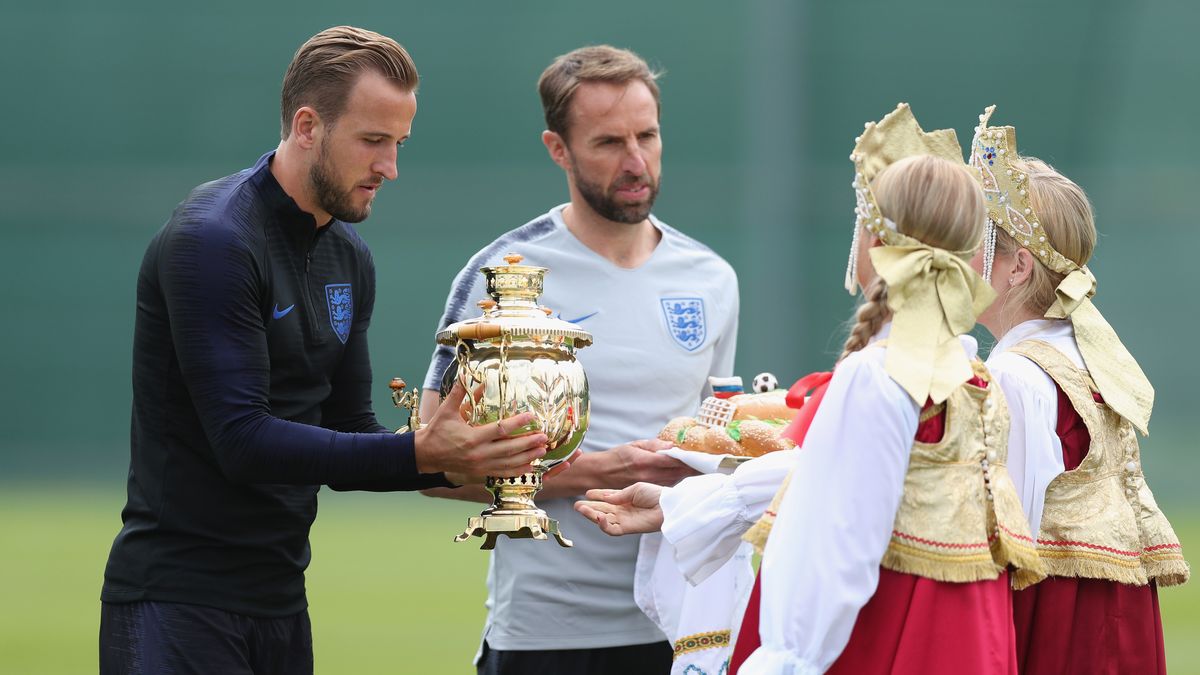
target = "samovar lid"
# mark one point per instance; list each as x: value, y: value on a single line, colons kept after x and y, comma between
x: 512, y: 309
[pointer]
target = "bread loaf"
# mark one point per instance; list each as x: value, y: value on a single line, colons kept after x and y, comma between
x: 748, y: 438
x: 771, y: 405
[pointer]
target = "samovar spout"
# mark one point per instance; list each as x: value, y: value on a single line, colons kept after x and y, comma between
x: 410, y: 400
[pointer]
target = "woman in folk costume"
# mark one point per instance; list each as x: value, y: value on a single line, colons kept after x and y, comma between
x: 887, y: 550
x: 1076, y: 397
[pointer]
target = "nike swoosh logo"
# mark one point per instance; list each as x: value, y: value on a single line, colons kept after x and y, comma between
x: 278, y: 314
x: 581, y: 319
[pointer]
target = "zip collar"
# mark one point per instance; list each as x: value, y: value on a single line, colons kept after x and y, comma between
x: 287, y: 212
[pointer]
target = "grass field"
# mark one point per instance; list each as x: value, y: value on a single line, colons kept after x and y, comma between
x: 389, y: 592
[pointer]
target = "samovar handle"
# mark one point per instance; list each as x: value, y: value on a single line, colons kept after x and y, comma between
x: 480, y: 331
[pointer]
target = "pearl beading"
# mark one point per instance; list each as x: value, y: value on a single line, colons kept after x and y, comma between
x: 989, y: 250
x: 852, y: 263
x: 1005, y: 190
x: 990, y: 456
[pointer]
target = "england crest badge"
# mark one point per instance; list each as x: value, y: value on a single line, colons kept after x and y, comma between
x: 685, y: 321
x: 341, y: 309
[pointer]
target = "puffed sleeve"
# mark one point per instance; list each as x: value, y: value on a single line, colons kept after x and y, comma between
x: 821, y: 562
x: 1035, y: 453
x: 704, y: 517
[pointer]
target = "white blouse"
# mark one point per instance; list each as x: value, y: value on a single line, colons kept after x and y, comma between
x: 835, y: 522
x: 704, y: 517
x: 821, y: 563
x: 1034, y: 450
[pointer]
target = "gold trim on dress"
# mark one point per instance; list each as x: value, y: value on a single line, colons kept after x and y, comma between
x: 1100, y: 519
x: 700, y: 641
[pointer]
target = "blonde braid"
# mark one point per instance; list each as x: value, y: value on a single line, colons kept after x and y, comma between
x: 869, y: 317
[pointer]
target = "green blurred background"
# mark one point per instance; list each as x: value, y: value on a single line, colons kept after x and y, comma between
x: 114, y: 111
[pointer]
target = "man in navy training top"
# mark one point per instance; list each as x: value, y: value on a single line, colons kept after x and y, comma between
x: 251, y: 382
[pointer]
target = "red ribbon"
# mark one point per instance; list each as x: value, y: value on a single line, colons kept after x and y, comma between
x: 816, y: 383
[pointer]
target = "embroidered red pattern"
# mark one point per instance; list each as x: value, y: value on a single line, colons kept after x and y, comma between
x: 942, y: 544
x: 1084, y: 544
x: 1162, y: 546
x: 1015, y: 535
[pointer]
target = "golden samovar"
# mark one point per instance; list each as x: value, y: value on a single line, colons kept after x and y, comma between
x: 516, y: 358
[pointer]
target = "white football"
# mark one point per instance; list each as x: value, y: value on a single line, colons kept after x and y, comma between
x: 764, y: 382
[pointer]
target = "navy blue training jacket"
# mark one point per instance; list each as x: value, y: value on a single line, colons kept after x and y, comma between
x: 251, y: 388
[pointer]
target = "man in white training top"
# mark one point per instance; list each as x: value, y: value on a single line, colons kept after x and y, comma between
x: 663, y: 310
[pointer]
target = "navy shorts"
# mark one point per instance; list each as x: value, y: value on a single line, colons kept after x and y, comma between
x: 169, y: 637
x: 651, y: 659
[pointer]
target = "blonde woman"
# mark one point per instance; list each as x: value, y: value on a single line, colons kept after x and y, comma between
x: 889, y: 548
x: 1076, y: 397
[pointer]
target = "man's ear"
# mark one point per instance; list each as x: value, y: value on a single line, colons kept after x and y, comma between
x: 556, y: 145
x: 306, y: 127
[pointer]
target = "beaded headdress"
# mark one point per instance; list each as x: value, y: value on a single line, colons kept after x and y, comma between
x: 933, y: 293
x: 1120, y: 379
x: 1006, y: 191
x: 882, y: 143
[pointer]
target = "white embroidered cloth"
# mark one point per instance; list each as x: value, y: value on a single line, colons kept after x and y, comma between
x: 705, y: 517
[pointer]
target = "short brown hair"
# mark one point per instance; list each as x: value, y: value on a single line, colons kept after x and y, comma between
x: 598, y: 63
x: 327, y: 66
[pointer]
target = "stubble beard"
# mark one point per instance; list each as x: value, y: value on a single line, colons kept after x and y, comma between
x: 603, y: 201
x: 331, y: 198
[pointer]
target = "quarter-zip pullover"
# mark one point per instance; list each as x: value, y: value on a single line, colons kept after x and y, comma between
x: 251, y: 388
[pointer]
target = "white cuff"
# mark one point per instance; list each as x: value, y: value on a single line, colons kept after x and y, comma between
x: 703, y: 519
x: 767, y: 661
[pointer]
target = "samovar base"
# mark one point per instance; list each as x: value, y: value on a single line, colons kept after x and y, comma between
x: 515, y: 526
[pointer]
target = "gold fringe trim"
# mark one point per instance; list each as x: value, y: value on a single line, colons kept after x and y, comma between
x: 1088, y: 568
x: 1023, y: 578
x: 1004, y: 551
x: 758, y: 533
x: 1100, y: 558
x: 1166, y: 556
x: 1168, y: 569
x: 952, y: 558
x: 1171, y: 572
x: 1028, y: 567
x: 959, y: 571
x: 1083, y: 566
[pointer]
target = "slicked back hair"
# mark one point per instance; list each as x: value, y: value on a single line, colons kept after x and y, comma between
x: 330, y: 62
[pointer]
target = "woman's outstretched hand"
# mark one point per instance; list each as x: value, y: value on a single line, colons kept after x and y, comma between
x: 633, y: 510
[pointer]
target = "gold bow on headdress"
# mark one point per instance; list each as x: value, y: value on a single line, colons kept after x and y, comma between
x: 1076, y: 287
x: 934, y: 294
x: 1120, y: 380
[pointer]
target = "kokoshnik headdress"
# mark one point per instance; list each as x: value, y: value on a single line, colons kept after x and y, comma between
x: 1120, y: 380
x: 933, y: 293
